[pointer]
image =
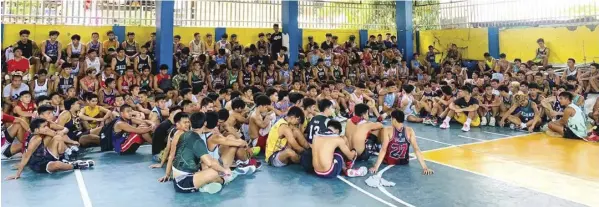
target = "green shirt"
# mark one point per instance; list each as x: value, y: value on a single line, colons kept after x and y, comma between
x: 190, y: 149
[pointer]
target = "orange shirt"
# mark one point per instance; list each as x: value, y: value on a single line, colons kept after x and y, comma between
x: 107, y: 44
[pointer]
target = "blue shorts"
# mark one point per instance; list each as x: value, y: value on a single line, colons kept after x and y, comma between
x: 40, y: 164
x: 335, y: 169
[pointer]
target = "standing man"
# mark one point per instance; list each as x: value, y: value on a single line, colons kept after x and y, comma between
x: 276, y: 41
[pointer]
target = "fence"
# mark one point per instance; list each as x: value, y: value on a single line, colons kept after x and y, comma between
x: 445, y: 14
x: 349, y: 14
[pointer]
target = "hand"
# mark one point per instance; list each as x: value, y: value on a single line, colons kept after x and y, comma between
x: 373, y: 170
x: 76, y: 143
x: 156, y: 166
x: 427, y: 171
x: 458, y: 110
x: 531, y: 128
x: 164, y: 179
x: 13, y: 177
x: 99, y: 119
x: 501, y: 123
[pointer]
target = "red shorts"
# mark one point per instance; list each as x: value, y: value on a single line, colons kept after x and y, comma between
x: 262, y: 143
x: 131, y: 144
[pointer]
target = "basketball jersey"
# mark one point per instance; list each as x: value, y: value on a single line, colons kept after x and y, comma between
x: 327, y: 60
x: 94, y: 46
x: 26, y: 48
x: 65, y: 83
x: 321, y: 73
x: 158, y: 112
x: 95, y: 64
x: 577, y: 123
x: 214, y: 152
x: 337, y: 72
x: 527, y: 111
x: 141, y: 62
x: 75, y: 51
x: 398, y: 149
x: 274, y: 142
x: 40, y: 90
x: 270, y: 79
x: 121, y: 66
x: 51, y: 49
x: 317, y: 124
x: 130, y: 48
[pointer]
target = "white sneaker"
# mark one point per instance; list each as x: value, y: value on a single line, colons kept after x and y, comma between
x: 445, y: 125
x: 362, y: 171
x: 483, y: 121
x: 512, y: 126
x: 5, y: 147
x: 211, y: 188
x: 492, y: 121
x: 229, y: 178
x: 466, y: 127
x: 247, y: 170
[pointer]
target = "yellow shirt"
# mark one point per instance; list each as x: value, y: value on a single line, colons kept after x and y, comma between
x: 92, y: 112
x: 274, y: 142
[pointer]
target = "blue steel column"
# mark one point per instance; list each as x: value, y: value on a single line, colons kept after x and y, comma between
x: 405, y: 28
x: 119, y: 33
x: 290, y: 12
x: 363, y: 38
x: 493, y: 33
x: 164, y: 33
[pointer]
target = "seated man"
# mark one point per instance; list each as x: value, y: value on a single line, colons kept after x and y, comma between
x: 396, y: 140
x: 441, y: 104
x: 127, y: 137
x: 70, y: 120
x: 523, y: 114
x: 16, y: 129
x: 463, y: 110
x: 489, y: 107
x: 43, y: 152
x: 193, y: 168
x: 572, y: 125
x: 327, y: 146
x: 365, y: 140
x: 319, y: 122
x: 553, y: 109
x: 259, y: 122
x: 160, y: 141
x: 282, y: 146
x: 226, y: 149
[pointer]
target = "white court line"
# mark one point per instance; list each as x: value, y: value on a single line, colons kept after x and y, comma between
x: 496, y: 133
x: 473, y: 143
x: 365, y: 192
x: 384, y: 191
x: 467, y: 137
x: 84, y: 195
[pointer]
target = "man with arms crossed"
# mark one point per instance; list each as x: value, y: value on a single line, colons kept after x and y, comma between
x: 572, y: 124
x: 327, y: 146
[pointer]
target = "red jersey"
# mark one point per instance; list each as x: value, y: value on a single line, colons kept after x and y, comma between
x: 26, y: 108
x: 18, y: 65
x: 7, y: 118
x: 398, y: 149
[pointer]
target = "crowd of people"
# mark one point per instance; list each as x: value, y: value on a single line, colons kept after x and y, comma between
x: 227, y: 103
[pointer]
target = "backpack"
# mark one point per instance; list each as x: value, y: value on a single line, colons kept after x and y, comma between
x: 106, y: 136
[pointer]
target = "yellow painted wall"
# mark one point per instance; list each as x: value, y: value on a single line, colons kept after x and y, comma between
x: 142, y: 34
x: 39, y: 33
x: 476, y: 40
x: 562, y: 43
x: 320, y: 35
x: 248, y: 36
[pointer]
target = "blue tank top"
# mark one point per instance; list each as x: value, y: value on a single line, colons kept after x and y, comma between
x: 51, y: 49
x: 221, y: 60
x: 527, y: 112
x: 314, y: 59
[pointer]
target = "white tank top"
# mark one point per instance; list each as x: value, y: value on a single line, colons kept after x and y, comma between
x: 571, y: 73
x: 195, y: 48
x: 40, y: 90
x: 577, y: 123
x: 408, y: 110
x: 328, y: 60
x: 76, y: 50
x: 95, y: 64
x: 213, y: 153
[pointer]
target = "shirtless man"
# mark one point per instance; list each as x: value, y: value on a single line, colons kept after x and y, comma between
x: 259, y: 121
x: 363, y: 138
x: 328, y: 145
x: 17, y: 130
x: 396, y: 142
x: 237, y: 117
x: 282, y: 145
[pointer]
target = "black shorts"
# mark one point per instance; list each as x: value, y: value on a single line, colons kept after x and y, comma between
x: 53, y: 61
x: 40, y: 163
x: 75, y: 135
x: 369, y: 147
x: 6, y: 135
x: 569, y: 134
x: 306, y: 161
x: 184, y: 184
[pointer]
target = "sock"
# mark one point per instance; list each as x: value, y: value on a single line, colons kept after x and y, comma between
x: 380, y: 108
x: 523, y: 125
x: 447, y: 119
x: 468, y: 121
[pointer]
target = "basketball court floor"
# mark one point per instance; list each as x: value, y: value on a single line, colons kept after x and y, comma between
x: 487, y: 166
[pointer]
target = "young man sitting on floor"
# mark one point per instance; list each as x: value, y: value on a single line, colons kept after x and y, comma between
x: 193, y: 168
x: 16, y: 131
x: 282, y: 146
x: 127, y: 136
x: 43, y: 152
x: 396, y: 141
x: 572, y: 125
x: 260, y: 122
x: 327, y: 146
x: 363, y: 140
x: 463, y: 110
